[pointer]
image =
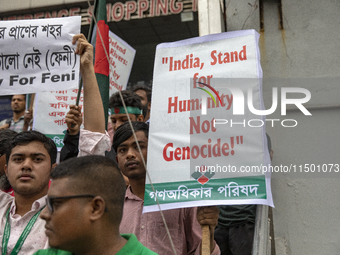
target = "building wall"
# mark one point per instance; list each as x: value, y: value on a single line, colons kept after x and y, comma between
x: 306, y: 206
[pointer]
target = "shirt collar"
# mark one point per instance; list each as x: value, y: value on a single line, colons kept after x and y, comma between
x: 20, y: 118
x: 36, y: 206
x: 130, y: 195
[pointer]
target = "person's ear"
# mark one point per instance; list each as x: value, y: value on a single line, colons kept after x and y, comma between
x: 98, y: 208
x: 54, y: 165
x: 149, y: 106
x: 6, y: 169
x: 140, y: 117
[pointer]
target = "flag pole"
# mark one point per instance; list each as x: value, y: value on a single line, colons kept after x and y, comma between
x: 89, y: 36
x: 32, y: 97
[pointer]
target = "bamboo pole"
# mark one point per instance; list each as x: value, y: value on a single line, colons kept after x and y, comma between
x: 205, y: 240
x: 31, y: 102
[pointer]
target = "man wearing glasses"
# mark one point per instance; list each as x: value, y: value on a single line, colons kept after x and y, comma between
x: 83, y: 218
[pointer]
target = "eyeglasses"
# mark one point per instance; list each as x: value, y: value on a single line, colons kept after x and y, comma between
x: 50, y: 200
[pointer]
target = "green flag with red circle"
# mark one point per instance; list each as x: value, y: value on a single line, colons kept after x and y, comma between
x: 100, y: 41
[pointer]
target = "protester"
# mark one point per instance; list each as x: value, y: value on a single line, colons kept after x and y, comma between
x: 133, y: 105
x: 84, y: 218
x: 118, y: 117
x: 30, y: 158
x: 144, y: 93
x: 6, y: 135
x: 21, y: 119
x: 184, y: 224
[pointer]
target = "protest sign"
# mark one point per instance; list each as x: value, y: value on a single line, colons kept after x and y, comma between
x: 121, y: 60
x: 52, y: 107
x: 50, y: 111
x: 38, y: 55
x: 201, y: 144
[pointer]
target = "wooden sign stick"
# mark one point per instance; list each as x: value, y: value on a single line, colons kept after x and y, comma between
x: 205, y: 240
x: 31, y: 102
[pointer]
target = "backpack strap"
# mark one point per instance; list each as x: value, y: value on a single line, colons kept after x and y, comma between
x: 9, y: 121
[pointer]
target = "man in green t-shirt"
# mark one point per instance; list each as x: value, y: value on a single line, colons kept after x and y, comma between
x: 84, y: 207
x: 84, y: 204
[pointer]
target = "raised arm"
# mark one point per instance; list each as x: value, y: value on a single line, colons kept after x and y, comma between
x: 94, y: 119
x: 93, y: 139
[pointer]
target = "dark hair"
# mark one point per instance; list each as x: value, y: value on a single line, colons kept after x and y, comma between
x: 6, y: 135
x: 109, y: 182
x: 26, y: 137
x: 124, y: 132
x: 130, y: 98
x: 147, y: 90
x: 18, y: 95
x: 4, y: 183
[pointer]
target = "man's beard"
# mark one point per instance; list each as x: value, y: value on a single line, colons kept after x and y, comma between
x: 18, y: 111
x: 30, y: 191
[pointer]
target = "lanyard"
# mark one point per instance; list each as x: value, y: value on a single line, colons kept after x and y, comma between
x: 23, y: 236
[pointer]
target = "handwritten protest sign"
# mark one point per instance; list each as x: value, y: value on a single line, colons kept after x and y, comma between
x: 50, y: 111
x: 202, y: 152
x: 38, y: 55
x: 121, y: 60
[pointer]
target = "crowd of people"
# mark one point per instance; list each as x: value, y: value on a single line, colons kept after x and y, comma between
x: 92, y: 202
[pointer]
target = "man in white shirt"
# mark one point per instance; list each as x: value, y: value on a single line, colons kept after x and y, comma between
x: 30, y: 158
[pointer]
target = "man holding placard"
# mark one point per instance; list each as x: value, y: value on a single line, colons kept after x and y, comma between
x: 118, y: 116
x: 30, y: 159
x: 183, y: 224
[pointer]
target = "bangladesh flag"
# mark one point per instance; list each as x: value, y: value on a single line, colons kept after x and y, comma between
x: 100, y: 39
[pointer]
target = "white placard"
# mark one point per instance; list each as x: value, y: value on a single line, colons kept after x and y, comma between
x: 121, y: 60
x: 38, y: 55
x: 50, y: 111
x: 193, y: 161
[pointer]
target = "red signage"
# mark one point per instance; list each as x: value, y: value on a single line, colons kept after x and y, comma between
x: 120, y: 11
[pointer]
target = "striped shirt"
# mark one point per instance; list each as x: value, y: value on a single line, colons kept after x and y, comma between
x: 17, y: 126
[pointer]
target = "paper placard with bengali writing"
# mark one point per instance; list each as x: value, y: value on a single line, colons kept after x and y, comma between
x: 38, y: 55
x: 50, y: 111
x: 203, y: 142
